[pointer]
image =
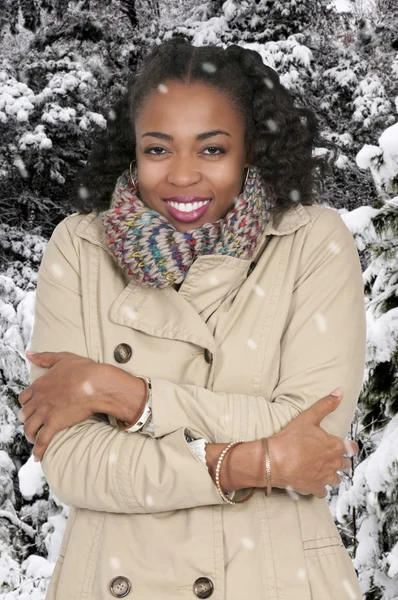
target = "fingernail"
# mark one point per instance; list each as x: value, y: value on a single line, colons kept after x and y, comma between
x: 36, y: 459
x: 337, y: 392
x: 30, y: 352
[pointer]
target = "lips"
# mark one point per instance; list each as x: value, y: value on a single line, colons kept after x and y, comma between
x: 188, y: 216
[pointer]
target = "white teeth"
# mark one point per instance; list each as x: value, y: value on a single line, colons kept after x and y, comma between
x: 187, y: 207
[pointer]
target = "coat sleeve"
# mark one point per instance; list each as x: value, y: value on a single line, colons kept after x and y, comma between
x: 323, y: 346
x: 92, y: 464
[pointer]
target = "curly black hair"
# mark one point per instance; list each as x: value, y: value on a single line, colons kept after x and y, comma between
x: 279, y: 137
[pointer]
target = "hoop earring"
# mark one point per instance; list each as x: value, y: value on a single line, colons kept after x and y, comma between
x: 245, y: 181
x: 247, y: 175
x: 135, y: 183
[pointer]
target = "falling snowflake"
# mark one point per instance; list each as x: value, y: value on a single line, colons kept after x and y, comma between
x: 88, y: 388
x: 268, y: 83
x: 321, y: 322
x: 293, y: 495
x: 252, y: 344
x: 57, y: 270
x: 112, y: 115
x: 209, y: 67
x: 213, y: 279
x: 334, y: 247
x: 163, y: 89
x: 23, y: 77
x: 19, y: 163
x: 272, y: 125
x: 294, y: 195
x: 259, y: 290
x: 115, y: 562
x: 248, y: 543
x: 83, y: 192
x: 112, y: 457
x: 130, y: 313
x: 301, y: 574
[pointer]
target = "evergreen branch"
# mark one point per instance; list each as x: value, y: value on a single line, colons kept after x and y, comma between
x: 30, y: 531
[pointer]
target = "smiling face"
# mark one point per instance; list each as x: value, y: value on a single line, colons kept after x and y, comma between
x: 175, y: 158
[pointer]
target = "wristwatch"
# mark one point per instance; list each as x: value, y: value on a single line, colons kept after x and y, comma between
x: 146, y: 413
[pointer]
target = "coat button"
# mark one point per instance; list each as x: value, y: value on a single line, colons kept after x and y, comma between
x: 120, y: 586
x: 208, y: 356
x: 203, y: 587
x: 251, y: 268
x: 122, y: 353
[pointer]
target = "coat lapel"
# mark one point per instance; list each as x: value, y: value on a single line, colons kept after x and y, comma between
x: 182, y: 315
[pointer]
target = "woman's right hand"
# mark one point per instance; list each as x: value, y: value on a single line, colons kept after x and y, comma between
x: 304, y: 457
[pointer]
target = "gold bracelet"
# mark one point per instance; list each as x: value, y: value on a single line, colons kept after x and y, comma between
x: 268, y: 489
x: 218, y: 470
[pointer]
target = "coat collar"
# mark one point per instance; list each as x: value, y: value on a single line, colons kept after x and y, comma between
x: 210, y: 280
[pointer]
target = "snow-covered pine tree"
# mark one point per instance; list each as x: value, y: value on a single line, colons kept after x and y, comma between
x: 58, y: 80
x: 321, y: 61
x: 368, y: 507
x: 32, y: 520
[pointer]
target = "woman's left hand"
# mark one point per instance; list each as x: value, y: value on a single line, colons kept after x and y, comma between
x: 62, y: 397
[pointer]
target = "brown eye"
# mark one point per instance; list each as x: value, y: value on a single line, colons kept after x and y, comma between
x: 148, y: 151
x: 221, y: 150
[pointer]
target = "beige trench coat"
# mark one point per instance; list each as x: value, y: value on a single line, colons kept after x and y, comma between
x: 236, y: 353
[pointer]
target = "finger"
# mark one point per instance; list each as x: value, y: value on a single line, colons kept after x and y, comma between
x: 336, y: 481
x: 43, y: 438
x: 33, y: 356
x: 32, y: 426
x: 347, y: 465
x: 350, y: 447
x: 322, y: 493
x: 25, y: 395
x: 45, y: 359
x: 27, y: 411
x: 323, y: 407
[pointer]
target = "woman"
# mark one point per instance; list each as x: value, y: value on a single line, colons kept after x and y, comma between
x: 209, y: 272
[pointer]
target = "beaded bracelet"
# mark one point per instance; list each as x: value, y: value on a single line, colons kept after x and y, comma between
x: 218, y: 470
x: 268, y: 489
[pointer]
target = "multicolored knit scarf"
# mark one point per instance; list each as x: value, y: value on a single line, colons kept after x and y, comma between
x: 149, y: 249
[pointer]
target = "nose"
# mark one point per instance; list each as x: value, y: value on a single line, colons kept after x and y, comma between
x: 183, y: 173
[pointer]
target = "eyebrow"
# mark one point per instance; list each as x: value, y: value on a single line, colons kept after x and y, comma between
x: 201, y: 136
